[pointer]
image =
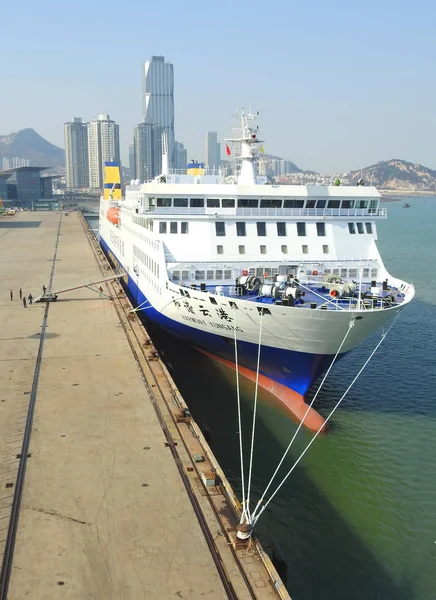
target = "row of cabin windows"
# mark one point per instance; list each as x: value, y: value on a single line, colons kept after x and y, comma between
x: 359, y: 226
x: 146, y: 260
x: 284, y: 249
x: 264, y: 203
x: 226, y: 274
x: 184, y: 227
x: 200, y: 275
x: 220, y: 229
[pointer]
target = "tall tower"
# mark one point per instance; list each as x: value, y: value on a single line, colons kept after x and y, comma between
x: 158, y: 97
x: 103, y: 145
x: 213, y: 150
x: 76, y: 154
x: 147, y: 148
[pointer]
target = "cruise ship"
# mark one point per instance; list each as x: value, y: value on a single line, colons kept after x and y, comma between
x: 274, y: 280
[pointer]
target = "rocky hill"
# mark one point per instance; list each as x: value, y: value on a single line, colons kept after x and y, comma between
x: 397, y: 174
x: 28, y: 144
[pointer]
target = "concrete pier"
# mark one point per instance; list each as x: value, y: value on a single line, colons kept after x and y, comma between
x: 105, y: 511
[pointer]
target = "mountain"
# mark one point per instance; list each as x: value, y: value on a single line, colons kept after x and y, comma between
x: 396, y: 174
x: 28, y: 144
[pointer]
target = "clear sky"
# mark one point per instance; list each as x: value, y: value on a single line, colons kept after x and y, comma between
x: 333, y: 81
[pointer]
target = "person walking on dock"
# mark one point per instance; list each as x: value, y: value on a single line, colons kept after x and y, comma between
x: 12, y: 295
x: 44, y: 289
x: 21, y: 293
x: 30, y: 299
x: 24, y: 302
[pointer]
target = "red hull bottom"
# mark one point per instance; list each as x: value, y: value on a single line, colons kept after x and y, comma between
x: 290, y: 399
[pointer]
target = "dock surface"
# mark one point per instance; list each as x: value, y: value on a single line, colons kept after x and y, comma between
x: 104, y: 511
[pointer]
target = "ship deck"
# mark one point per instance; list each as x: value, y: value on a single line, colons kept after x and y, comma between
x: 316, y: 297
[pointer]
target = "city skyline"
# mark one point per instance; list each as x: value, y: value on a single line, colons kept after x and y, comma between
x: 334, y: 84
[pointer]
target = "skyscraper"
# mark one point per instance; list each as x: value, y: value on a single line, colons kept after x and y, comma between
x: 158, y: 97
x: 213, y: 150
x: 132, y: 161
x: 103, y: 145
x: 180, y: 156
x: 76, y: 154
x: 147, y: 148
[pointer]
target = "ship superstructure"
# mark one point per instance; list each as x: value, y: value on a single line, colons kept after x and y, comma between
x: 225, y: 261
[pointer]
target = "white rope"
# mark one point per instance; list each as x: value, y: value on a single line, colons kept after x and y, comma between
x: 244, y: 507
x: 139, y: 307
x: 350, y: 326
x: 254, y: 414
x: 327, y: 419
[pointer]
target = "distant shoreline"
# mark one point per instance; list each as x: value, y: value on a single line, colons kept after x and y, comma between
x: 401, y: 194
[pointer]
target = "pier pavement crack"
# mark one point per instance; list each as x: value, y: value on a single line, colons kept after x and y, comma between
x: 55, y: 513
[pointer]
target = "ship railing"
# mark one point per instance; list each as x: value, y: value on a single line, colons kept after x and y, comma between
x: 323, y: 213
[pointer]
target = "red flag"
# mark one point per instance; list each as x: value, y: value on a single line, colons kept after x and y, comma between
x: 227, y: 150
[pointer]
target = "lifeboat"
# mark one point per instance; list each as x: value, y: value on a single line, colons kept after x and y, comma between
x: 113, y: 215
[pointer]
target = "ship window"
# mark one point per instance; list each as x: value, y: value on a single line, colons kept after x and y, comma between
x: 362, y: 204
x: 351, y: 228
x: 196, y: 202
x: 209, y: 274
x: 248, y: 203
x: 347, y: 203
x: 199, y: 275
x: 173, y: 227
x: 281, y: 229
x: 259, y: 272
x: 284, y: 249
x: 220, y: 228
x: 185, y: 275
x: 268, y: 272
x: 163, y: 201
x: 271, y: 203
x: 228, y: 203
x: 368, y: 227
x: 310, y: 203
x: 263, y: 249
x: 293, y: 203
x: 241, y: 249
x: 321, y: 203
x: 305, y: 249
x: 352, y: 272
x: 365, y: 273
x: 240, y: 229
x: 218, y: 274
x: 162, y: 227
x: 325, y: 249
x: 327, y: 271
x: 180, y: 202
x: 213, y: 203
x: 320, y: 229
x: 252, y: 271
x: 373, y: 205
x: 360, y: 228
x: 344, y: 272
x: 184, y: 227
x: 176, y: 275
x: 334, y: 204
x: 301, y: 229
x: 261, y: 229
x: 335, y: 271
x: 220, y: 249
x: 227, y: 274
x: 373, y: 273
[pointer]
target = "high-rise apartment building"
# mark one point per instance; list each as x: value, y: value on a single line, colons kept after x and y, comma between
x: 147, y: 147
x: 132, y: 167
x: 213, y: 150
x: 76, y: 154
x: 158, y: 98
x: 103, y: 145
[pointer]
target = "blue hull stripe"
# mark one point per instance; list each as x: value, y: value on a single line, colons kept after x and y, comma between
x: 296, y: 370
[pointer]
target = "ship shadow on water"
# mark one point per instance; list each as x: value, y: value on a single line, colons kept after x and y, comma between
x: 324, y: 557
